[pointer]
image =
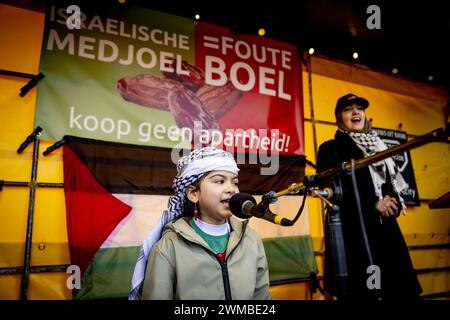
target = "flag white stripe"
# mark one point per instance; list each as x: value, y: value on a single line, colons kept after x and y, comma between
x: 147, y: 210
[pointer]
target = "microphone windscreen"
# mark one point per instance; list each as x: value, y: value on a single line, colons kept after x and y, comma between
x: 236, y: 203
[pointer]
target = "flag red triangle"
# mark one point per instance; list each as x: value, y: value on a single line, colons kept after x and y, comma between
x: 92, y: 212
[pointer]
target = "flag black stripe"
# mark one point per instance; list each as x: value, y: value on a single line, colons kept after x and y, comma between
x: 125, y: 168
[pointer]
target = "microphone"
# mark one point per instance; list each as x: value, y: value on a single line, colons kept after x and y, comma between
x: 243, y: 205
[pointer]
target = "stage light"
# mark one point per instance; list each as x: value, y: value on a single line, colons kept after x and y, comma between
x: 394, y: 70
x: 121, y: 1
x: 311, y: 51
x: 430, y: 77
x: 197, y: 17
x: 355, y: 55
x: 261, y: 31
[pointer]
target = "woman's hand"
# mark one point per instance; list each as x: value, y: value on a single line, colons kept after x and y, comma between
x: 387, y: 206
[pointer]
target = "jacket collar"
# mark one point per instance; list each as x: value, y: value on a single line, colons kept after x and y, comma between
x: 237, y: 232
x: 346, y: 146
x: 181, y: 227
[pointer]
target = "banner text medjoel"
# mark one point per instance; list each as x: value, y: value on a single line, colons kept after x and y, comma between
x: 106, y: 50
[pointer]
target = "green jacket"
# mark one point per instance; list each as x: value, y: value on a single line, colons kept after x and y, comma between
x: 181, y: 266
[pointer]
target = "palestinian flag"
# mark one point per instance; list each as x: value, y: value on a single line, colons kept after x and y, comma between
x: 115, y: 193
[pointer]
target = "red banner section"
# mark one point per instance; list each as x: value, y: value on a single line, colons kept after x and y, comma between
x: 254, y: 89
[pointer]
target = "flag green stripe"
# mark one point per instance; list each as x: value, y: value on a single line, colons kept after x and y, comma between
x: 290, y: 258
x: 101, y: 280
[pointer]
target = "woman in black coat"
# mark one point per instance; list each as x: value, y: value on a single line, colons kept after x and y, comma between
x: 379, y: 187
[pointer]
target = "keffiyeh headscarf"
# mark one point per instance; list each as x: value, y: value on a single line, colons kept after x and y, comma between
x: 189, y: 170
x: 370, y: 143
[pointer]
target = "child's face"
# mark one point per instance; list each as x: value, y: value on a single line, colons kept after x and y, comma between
x: 213, y: 196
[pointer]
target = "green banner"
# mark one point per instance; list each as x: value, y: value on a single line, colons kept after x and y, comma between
x: 83, y: 67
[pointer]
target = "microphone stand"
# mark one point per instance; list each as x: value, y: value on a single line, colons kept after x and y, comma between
x: 346, y: 167
x: 337, y: 242
x: 334, y: 218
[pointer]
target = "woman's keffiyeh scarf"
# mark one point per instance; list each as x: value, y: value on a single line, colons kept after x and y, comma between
x: 189, y: 170
x: 370, y: 143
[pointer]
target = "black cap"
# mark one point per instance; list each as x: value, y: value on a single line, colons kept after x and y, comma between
x: 347, y: 100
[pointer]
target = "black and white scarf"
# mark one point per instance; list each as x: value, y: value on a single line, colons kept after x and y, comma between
x: 370, y: 143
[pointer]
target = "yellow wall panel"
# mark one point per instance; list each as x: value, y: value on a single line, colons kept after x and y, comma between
x: 293, y: 291
x: 9, y: 287
x: 17, y: 114
x: 325, y: 132
x: 12, y: 254
x: 47, y: 253
x: 434, y: 282
x: 431, y: 164
x: 13, y: 214
x: 416, y: 239
x: 20, y: 39
x: 306, y: 100
x: 22, y: 31
x: 318, y: 243
x: 49, y: 231
x: 50, y: 167
x: 423, y: 220
x: 387, y: 109
x: 309, y: 146
x: 435, y: 258
x: 315, y: 217
x: 15, y: 167
x: 50, y: 217
x: 49, y: 286
x: 320, y: 261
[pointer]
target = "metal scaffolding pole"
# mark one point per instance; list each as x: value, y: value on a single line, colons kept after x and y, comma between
x: 27, y: 257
